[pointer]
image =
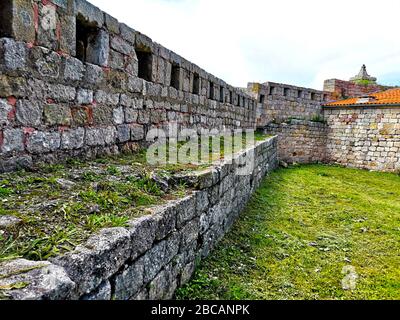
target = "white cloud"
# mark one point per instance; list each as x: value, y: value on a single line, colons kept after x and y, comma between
x: 291, y: 41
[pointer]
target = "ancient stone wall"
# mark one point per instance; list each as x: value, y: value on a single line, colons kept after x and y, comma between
x: 278, y: 102
x: 364, y: 137
x: 76, y: 82
x: 157, y: 252
x: 300, y: 141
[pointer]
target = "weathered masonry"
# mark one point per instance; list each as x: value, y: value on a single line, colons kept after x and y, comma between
x: 366, y: 137
x: 361, y: 132
x: 76, y: 82
x: 157, y: 252
x: 278, y: 102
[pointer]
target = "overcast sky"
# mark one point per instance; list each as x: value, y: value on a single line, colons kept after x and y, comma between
x: 289, y: 41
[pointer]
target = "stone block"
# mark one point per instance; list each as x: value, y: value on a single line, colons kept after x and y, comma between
x: 94, y: 74
x: 13, y: 55
x: 40, y: 142
x: 137, y: 132
x: 17, y: 20
x: 46, y: 63
x: 34, y: 280
x: 117, y: 60
x: 154, y: 261
x: 90, y: 13
x: 127, y: 33
x: 98, y: 50
x: 98, y: 259
x: 84, y: 96
x: 13, y: 140
x: 129, y: 281
x: 165, y: 217
x: 123, y: 133
x: 190, y: 232
x: 74, y: 69
x: 102, y: 115
x: 9, y: 222
x: 67, y: 41
x: 72, y: 139
x: 111, y: 23
x: 119, y: 115
x: 94, y: 137
x: 120, y: 45
x: 186, y: 210
x: 47, y: 26
x: 103, y: 97
x: 159, y: 287
x: 5, y: 112
x: 135, y: 84
x: 142, y: 232
x: 102, y: 293
x: 131, y: 115
x: 28, y: 113
x: 55, y: 114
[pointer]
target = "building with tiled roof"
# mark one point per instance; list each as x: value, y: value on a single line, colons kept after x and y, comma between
x: 389, y: 97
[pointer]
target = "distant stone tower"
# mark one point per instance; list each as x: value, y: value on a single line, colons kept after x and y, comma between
x: 363, y: 76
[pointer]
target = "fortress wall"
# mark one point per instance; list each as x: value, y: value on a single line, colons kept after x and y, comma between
x: 300, y: 141
x: 364, y: 137
x: 277, y: 102
x: 74, y: 82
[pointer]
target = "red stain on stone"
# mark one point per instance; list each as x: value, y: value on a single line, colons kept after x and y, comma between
x: 106, y: 69
x: 58, y: 31
x: 11, y: 114
x: 62, y: 128
x: 48, y: 3
x: 36, y: 16
x: 89, y: 112
x: 28, y: 131
x: 30, y: 45
x: 12, y: 100
x: 50, y: 100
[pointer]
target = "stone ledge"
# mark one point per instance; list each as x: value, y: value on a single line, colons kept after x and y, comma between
x: 153, y: 255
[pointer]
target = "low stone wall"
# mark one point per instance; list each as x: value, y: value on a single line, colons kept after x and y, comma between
x: 76, y: 82
x: 364, y: 137
x: 158, y: 252
x: 300, y: 141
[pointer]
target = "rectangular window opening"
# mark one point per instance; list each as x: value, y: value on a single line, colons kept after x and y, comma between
x: 262, y: 98
x: 86, y: 38
x: 299, y: 93
x: 312, y: 95
x: 230, y: 96
x: 286, y: 92
x: 6, y: 16
x: 196, y: 84
x: 271, y: 91
x: 211, y: 91
x: 175, y: 76
x: 145, y: 63
x: 221, y: 94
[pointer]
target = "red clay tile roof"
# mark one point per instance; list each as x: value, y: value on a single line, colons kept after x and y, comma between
x: 388, y: 97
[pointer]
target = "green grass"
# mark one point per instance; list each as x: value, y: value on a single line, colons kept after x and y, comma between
x: 301, y: 228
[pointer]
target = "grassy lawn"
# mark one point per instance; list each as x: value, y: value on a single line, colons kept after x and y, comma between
x: 305, y: 230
